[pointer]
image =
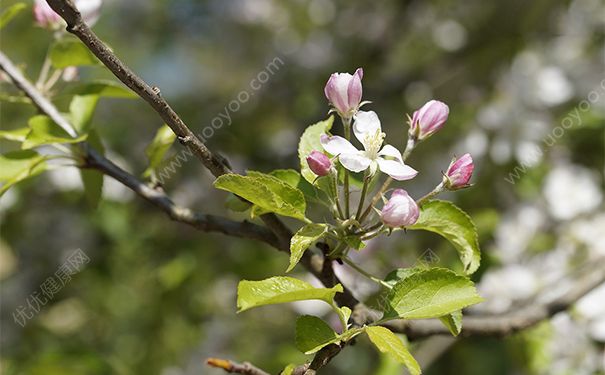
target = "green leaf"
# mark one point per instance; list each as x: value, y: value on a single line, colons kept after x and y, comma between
x: 108, y: 89
x: 70, y: 52
x: 164, y: 138
x: 302, y: 239
x: 17, y: 166
x: 289, y: 176
x: 92, y: 179
x: 236, y: 204
x: 387, y: 342
x: 449, y: 221
x: 430, y: 293
x: 267, y: 192
x: 81, y: 110
x: 312, y: 334
x: 309, y: 141
x: 399, y: 274
x: 354, y: 241
x: 288, y: 370
x: 280, y: 289
x: 44, y: 131
x: 453, y: 322
x: 10, y: 13
x: 15, y: 134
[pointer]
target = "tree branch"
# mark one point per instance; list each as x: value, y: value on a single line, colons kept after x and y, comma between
x: 505, y: 324
x: 245, y: 368
x: 93, y: 159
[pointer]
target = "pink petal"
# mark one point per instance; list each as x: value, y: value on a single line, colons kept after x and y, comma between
x: 391, y: 151
x: 356, y: 162
x: 397, y: 170
x: 336, y: 145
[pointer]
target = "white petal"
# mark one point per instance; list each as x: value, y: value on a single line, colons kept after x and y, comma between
x: 366, y: 122
x: 391, y: 151
x: 356, y: 162
x: 397, y: 170
x: 337, y: 145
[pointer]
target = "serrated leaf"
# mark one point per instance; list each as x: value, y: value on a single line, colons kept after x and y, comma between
x: 280, y: 289
x: 70, y: 52
x: 312, y: 334
x: 399, y: 274
x: 387, y: 342
x: 267, y: 192
x: 17, y: 135
x: 17, y: 166
x: 453, y: 322
x: 81, y: 110
x: 10, y: 13
x: 289, y: 176
x: 309, y: 141
x: 44, y: 131
x: 104, y: 88
x: 159, y: 146
x: 302, y: 239
x: 430, y: 293
x: 449, y: 221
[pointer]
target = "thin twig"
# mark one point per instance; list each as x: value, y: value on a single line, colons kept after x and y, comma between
x: 245, y: 368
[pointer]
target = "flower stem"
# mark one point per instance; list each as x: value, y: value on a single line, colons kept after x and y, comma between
x: 364, y: 191
x: 346, y: 121
x: 438, y: 189
x: 364, y: 273
x: 336, y: 195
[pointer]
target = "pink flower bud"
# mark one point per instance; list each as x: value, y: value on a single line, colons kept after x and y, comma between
x: 459, y: 172
x: 401, y: 210
x: 429, y: 119
x: 47, y: 18
x: 319, y: 163
x: 344, y: 91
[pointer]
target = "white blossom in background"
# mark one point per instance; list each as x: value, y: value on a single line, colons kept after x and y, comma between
x: 570, y: 191
x: 516, y: 231
x: 501, y: 287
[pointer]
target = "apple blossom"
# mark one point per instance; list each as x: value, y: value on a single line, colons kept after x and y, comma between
x: 319, y: 163
x: 400, y: 210
x: 428, y: 119
x: 344, y: 91
x: 459, y: 172
x: 47, y: 18
x: 368, y: 131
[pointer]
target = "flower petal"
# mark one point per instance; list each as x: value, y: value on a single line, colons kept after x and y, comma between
x: 336, y: 145
x: 397, y: 170
x: 391, y: 151
x: 366, y: 122
x: 356, y: 162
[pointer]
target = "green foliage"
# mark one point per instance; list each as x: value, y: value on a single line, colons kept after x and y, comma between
x: 453, y: 322
x: 280, y: 289
x: 387, y: 342
x: 430, y: 293
x: 302, y: 239
x: 10, y: 13
x: 163, y: 140
x: 92, y: 179
x: 312, y: 334
x: 17, y: 166
x: 70, y: 52
x: 456, y: 226
x: 104, y: 88
x: 17, y: 135
x: 44, y: 131
x: 309, y: 141
x: 267, y: 192
x: 81, y: 110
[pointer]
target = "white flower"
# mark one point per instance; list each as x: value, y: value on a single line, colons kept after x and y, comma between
x: 368, y: 131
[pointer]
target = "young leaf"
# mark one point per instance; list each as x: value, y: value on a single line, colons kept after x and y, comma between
x: 302, y: 239
x: 108, y: 89
x: 17, y: 135
x: 70, y: 52
x: 312, y: 334
x: 164, y: 138
x: 81, y: 110
x: 280, y: 289
x: 430, y: 293
x: 289, y: 176
x: 10, y: 13
x: 387, y: 342
x: 17, y: 166
x: 235, y: 204
x: 44, y: 131
x: 309, y: 141
x: 449, y: 221
x: 267, y: 192
x: 453, y: 322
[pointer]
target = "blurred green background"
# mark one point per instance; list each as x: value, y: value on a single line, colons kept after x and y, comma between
x: 159, y: 297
